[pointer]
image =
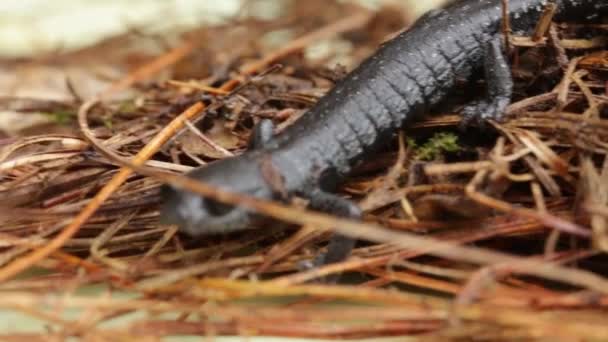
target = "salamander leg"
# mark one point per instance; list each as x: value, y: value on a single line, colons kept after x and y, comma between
x: 499, y: 87
x: 339, y: 246
x: 261, y: 134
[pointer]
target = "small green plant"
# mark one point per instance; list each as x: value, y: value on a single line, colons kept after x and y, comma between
x: 435, y: 146
x: 62, y: 117
x: 107, y: 121
x: 127, y: 106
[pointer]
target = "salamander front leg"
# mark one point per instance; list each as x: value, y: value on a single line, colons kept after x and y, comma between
x: 499, y: 87
x: 339, y: 246
x: 261, y: 134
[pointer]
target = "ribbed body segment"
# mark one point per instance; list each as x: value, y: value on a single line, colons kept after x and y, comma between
x: 403, y: 80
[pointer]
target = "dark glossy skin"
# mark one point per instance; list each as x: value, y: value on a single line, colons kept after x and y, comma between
x: 401, y: 82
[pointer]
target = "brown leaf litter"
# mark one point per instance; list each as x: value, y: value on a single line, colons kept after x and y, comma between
x: 501, y: 239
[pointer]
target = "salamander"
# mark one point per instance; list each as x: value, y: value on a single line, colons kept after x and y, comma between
x: 406, y: 78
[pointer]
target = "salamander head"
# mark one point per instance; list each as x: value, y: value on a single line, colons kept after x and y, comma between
x: 196, y: 215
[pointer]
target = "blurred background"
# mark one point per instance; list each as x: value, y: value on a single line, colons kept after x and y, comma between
x: 36, y: 26
x: 42, y: 43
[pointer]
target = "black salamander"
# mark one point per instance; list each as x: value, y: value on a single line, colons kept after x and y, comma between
x: 407, y: 77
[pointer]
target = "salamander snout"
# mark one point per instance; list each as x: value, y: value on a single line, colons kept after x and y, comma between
x: 196, y: 215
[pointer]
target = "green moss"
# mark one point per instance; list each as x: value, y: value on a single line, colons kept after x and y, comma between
x: 435, y: 146
x: 62, y: 117
x: 107, y: 121
x: 127, y: 106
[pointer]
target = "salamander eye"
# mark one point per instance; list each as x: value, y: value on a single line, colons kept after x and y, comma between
x: 216, y: 208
